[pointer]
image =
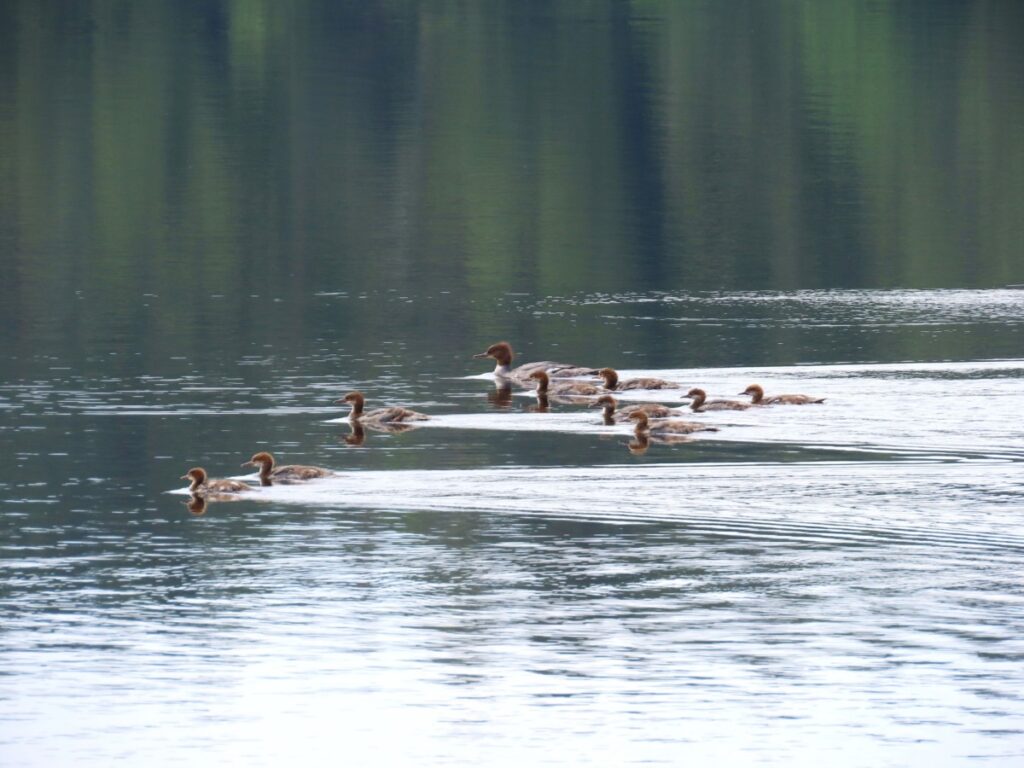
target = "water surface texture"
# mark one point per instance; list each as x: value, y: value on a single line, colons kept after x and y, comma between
x: 218, y: 218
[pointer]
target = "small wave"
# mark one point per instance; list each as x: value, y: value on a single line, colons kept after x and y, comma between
x: 913, y: 504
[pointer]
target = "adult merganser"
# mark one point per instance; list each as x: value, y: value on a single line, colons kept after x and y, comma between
x: 701, y: 403
x: 612, y: 383
x: 757, y: 397
x: 667, y: 426
x: 611, y: 416
x: 391, y: 415
x: 562, y: 388
x: 289, y: 473
x: 201, y: 484
x: 502, y: 354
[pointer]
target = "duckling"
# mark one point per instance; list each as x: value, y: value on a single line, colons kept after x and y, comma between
x: 201, y: 484
x: 757, y: 397
x: 612, y: 416
x: 612, y: 383
x: 700, y: 403
x: 390, y: 415
x: 667, y: 426
x: 562, y: 388
x: 290, y: 473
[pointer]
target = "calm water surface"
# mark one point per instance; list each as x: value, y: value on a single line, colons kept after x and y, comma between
x: 216, y: 221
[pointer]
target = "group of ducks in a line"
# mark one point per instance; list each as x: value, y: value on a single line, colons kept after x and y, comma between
x: 651, y: 419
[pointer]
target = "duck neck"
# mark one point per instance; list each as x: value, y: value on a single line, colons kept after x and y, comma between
x: 503, y: 361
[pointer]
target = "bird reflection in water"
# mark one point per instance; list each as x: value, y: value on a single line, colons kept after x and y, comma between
x: 198, y: 503
x: 501, y: 395
x: 612, y: 416
x: 545, y: 400
x: 543, y: 405
x: 641, y: 442
x: 357, y: 436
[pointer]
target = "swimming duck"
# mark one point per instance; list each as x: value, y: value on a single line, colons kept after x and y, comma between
x: 563, y: 388
x: 667, y: 426
x: 611, y: 415
x: 289, y: 473
x: 757, y: 397
x: 201, y: 484
x: 700, y: 403
x: 379, y: 416
x: 502, y: 354
x: 612, y: 383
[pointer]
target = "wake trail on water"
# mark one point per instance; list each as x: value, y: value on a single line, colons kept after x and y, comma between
x: 861, y: 503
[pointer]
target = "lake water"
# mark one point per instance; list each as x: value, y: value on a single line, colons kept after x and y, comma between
x: 215, y: 220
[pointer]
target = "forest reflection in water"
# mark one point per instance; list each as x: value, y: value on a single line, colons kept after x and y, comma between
x: 216, y: 219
